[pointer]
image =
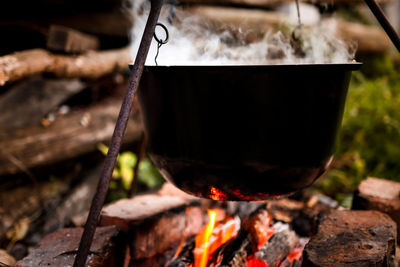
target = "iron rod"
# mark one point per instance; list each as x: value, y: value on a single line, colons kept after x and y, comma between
x: 119, y: 131
x: 380, y: 16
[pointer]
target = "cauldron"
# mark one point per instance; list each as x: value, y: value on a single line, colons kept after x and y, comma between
x: 243, y: 132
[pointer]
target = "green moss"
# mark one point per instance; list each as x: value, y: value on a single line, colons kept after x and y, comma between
x: 369, y: 143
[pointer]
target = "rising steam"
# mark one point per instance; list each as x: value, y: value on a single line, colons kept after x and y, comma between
x: 195, y: 40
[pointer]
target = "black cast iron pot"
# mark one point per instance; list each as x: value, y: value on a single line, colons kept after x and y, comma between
x: 243, y: 132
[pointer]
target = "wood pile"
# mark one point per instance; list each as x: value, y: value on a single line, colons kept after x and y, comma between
x: 63, y: 72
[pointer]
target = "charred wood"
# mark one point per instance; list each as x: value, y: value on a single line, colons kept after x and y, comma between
x: 277, y: 247
x: 185, y: 257
x: 234, y: 253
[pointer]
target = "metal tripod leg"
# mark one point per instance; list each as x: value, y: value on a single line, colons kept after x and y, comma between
x: 119, y: 131
x: 380, y: 16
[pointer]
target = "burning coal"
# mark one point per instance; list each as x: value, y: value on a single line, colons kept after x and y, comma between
x: 257, y: 241
x: 226, y: 36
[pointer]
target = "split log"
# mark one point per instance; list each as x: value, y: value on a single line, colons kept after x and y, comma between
x: 235, y: 252
x: 352, y: 238
x: 277, y: 248
x: 381, y: 195
x: 154, y: 223
x: 64, y: 39
x: 271, y: 3
x: 69, y: 136
x: 59, y: 249
x: 365, y: 36
x: 251, y: 25
x: 90, y: 65
x: 26, y: 103
x: 253, y: 234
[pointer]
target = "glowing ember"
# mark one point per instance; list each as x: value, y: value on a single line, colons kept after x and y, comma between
x: 217, y: 194
x: 256, y: 263
x: 201, y: 244
x: 295, y: 254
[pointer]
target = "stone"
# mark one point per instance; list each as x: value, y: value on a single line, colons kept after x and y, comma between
x: 59, y: 249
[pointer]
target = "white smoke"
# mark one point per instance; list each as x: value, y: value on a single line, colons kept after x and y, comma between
x: 195, y: 41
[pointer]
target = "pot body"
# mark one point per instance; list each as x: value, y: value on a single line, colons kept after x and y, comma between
x: 243, y: 132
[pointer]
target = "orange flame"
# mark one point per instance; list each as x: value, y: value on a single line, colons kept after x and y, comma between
x: 201, y: 244
x: 178, y: 251
x: 213, y: 235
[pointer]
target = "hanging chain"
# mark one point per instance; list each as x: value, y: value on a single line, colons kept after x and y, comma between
x: 160, y: 41
x: 297, y: 32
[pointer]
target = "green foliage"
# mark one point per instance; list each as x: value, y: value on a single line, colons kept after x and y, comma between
x: 369, y: 144
x: 123, y: 173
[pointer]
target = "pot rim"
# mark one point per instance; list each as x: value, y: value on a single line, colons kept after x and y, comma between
x: 342, y: 66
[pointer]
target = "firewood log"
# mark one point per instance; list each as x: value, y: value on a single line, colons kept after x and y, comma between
x: 26, y: 103
x: 277, y: 247
x: 253, y: 24
x: 69, y: 136
x: 270, y: 3
x: 64, y: 39
x: 90, y: 65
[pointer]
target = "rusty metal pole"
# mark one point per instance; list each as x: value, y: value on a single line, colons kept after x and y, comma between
x: 119, y: 131
x: 380, y: 16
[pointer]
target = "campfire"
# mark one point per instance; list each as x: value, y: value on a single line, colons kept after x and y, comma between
x: 172, y: 229
x: 277, y: 155
x: 256, y: 240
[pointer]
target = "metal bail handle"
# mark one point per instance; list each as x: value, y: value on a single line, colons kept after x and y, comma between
x: 160, y: 41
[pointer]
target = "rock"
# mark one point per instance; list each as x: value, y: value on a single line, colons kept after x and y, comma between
x: 59, y: 249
